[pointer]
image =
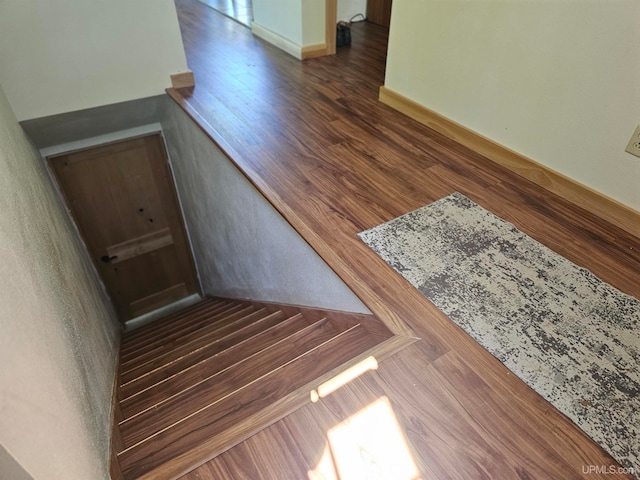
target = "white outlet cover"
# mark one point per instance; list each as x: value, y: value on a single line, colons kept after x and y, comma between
x: 633, y: 147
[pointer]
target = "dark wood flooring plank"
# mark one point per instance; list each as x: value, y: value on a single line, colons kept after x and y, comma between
x: 216, y: 469
x: 533, y: 436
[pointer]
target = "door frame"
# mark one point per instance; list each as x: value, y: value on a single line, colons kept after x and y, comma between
x: 331, y: 18
x: 49, y: 153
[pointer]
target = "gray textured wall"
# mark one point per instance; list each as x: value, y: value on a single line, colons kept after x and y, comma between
x: 58, y: 332
x: 243, y: 246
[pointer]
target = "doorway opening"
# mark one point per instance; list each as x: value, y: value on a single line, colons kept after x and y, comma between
x: 239, y: 10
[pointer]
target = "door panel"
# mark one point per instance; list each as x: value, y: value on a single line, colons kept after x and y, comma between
x: 124, y: 203
x: 379, y: 12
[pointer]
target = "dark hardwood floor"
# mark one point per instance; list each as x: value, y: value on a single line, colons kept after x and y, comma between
x: 334, y: 161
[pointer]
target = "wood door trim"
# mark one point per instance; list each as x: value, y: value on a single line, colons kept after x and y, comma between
x: 90, y: 153
x: 183, y: 80
x: 331, y: 16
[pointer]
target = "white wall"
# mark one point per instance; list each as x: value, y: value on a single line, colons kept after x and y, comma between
x: 349, y: 8
x: 65, y: 55
x: 58, y: 333
x: 280, y: 17
x: 558, y: 81
x: 290, y: 24
x: 279, y: 22
x: 242, y: 245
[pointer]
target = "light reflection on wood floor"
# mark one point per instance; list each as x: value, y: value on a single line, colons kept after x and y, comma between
x: 239, y: 10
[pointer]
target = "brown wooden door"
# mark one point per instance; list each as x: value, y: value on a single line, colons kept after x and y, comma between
x: 123, y: 200
x: 379, y: 12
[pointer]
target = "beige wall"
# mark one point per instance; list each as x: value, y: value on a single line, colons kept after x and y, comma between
x: 557, y: 81
x: 313, y: 22
x: 349, y: 8
x: 58, y: 334
x: 66, y: 55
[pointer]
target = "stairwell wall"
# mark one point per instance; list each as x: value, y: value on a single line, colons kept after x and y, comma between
x: 58, y: 332
x: 243, y: 247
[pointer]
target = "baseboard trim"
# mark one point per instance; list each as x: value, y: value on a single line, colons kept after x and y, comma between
x: 183, y: 80
x: 313, y: 51
x: 276, y: 40
x: 595, y: 202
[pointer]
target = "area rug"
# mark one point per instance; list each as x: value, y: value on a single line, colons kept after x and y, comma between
x: 570, y: 336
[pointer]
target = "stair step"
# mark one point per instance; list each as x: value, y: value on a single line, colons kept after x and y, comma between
x: 177, y: 404
x: 219, y: 327
x: 341, y: 320
x: 222, y: 332
x: 180, y: 360
x: 201, y: 380
x: 175, y: 321
x: 212, y: 366
x: 219, y: 418
x: 188, y: 325
x: 311, y: 314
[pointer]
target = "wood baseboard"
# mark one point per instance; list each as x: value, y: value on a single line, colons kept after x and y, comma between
x: 313, y: 51
x: 183, y: 80
x: 595, y: 202
x: 277, y: 40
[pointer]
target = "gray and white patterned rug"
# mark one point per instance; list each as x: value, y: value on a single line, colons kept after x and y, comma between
x: 570, y: 336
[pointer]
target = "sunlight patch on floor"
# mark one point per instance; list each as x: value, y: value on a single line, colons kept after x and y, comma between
x: 333, y: 384
x: 368, y: 445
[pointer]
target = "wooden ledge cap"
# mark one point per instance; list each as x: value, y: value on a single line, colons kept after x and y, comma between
x: 183, y: 80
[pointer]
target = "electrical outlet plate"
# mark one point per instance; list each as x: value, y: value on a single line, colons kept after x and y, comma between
x: 633, y: 147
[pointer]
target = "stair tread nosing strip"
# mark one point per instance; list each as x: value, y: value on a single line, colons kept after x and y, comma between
x: 155, y: 363
x: 190, y: 324
x: 217, y: 324
x: 138, y: 336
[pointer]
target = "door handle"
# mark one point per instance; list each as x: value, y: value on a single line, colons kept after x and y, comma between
x: 107, y: 258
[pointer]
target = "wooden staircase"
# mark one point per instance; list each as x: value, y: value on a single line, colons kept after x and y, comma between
x: 203, y: 379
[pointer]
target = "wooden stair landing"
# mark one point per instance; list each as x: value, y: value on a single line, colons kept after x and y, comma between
x: 201, y: 380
